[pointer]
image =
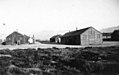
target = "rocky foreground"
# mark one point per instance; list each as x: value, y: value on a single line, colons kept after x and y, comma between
x: 60, y: 61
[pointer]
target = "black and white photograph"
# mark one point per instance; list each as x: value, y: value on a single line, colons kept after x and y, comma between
x: 59, y: 37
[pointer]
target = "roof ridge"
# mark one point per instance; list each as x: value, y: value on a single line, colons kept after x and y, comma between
x: 72, y: 33
x: 15, y: 32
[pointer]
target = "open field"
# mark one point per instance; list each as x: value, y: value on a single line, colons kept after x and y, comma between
x: 58, y: 59
x: 41, y: 45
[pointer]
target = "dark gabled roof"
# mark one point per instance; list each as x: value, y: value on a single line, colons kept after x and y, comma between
x: 56, y: 36
x: 26, y: 36
x: 77, y: 32
x: 15, y: 32
x: 117, y: 31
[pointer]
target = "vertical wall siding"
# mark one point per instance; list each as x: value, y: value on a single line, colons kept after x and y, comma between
x: 72, y: 40
x: 92, y: 37
x: 15, y: 37
x: 89, y: 37
x: 115, y: 36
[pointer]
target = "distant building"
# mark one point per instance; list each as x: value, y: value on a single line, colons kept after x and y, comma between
x: 86, y: 36
x: 56, y: 39
x: 31, y: 40
x: 106, y: 36
x: 16, y: 38
x: 115, y: 35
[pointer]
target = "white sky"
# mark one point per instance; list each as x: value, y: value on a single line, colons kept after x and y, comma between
x: 57, y: 15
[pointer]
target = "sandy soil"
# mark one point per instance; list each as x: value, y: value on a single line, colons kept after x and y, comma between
x: 39, y: 45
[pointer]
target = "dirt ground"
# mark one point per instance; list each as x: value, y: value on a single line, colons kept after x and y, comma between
x: 40, y: 45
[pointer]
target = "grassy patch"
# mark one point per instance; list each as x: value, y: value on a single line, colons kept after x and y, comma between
x: 59, y: 61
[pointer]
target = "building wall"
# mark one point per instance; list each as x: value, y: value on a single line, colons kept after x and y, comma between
x: 26, y: 40
x: 88, y: 37
x: 115, y: 36
x: 64, y: 40
x: 56, y: 39
x: 16, y: 39
x: 72, y: 40
x: 91, y: 36
x: 52, y: 39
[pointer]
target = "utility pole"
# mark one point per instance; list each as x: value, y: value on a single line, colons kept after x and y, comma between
x: 3, y: 25
x: 33, y: 39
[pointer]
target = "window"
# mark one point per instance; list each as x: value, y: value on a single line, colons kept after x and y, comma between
x: 93, y: 32
x: 20, y: 38
x: 84, y: 36
x: 89, y: 36
x: 98, y: 36
x: 9, y: 38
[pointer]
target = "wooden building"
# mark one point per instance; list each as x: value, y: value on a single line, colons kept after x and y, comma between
x: 106, y: 36
x: 16, y: 38
x: 115, y: 35
x: 86, y: 36
x: 56, y: 39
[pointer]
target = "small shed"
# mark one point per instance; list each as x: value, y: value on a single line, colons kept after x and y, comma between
x: 16, y: 38
x: 85, y: 36
x: 31, y: 40
x: 106, y: 36
x: 115, y: 35
x: 56, y: 38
